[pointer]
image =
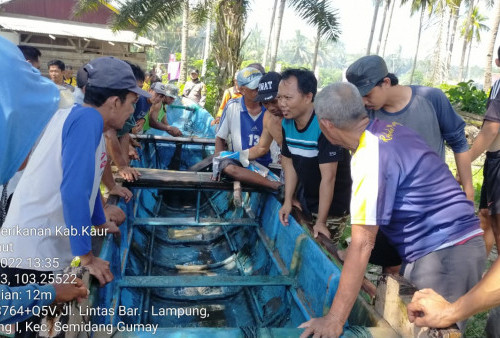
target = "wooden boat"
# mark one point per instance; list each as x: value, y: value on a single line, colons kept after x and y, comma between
x: 190, y: 263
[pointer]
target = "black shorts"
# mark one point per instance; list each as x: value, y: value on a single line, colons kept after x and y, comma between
x: 490, y: 190
x: 384, y: 253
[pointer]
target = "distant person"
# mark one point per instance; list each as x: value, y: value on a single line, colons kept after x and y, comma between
x: 69, y: 78
x: 400, y: 187
x: 158, y: 112
x: 195, y: 89
x: 32, y: 55
x: 230, y: 93
x: 56, y: 73
x: 424, y: 109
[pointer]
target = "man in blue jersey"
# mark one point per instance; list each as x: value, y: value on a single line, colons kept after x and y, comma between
x: 401, y: 187
x: 240, y: 130
x: 57, y: 201
x: 308, y: 158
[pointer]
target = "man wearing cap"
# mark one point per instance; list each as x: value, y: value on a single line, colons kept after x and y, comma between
x: 423, y: 109
x: 57, y: 201
x: 401, y: 188
x: 195, y: 89
x: 158, y: 115
x: 241, y: 129
x: 267, y: 92
x: 307, y: 157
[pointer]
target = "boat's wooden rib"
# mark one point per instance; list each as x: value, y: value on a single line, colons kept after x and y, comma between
x: 199, y: 281
x: 171, y: 139
x: 191, y: 222
x: 156, y: 178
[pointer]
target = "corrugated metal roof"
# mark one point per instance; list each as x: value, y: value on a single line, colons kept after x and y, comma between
x: 70, y: 29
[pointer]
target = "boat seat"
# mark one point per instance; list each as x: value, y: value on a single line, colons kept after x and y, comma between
x: 191, y: 222
x: 156, y: 178
x: 199, y: 281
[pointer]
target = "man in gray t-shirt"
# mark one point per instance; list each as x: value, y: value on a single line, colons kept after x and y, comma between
x: 424, y: 109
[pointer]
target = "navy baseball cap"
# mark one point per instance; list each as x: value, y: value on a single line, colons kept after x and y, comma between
x: 112, y: 73
x: 268, y: 87
x: 366, y: 72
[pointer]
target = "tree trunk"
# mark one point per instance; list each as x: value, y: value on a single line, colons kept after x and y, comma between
x: 316, y: 48
x: 206, y: 50
x: 418, y: 44
x: 464, y: 46
x: 374, y: 22
x: 491, y: 47
x: 468, y: 59
x: 269, y: 36
x: 386, y: 9
x: 229, y: 25
x: 185, y: 30
x: 437, y: 69
x: 452, y: 37
x: 274, y: 50
x: 388, y: 27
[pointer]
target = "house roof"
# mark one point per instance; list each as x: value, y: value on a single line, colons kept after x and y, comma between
x: 37, y: 25
x: 58, y: 9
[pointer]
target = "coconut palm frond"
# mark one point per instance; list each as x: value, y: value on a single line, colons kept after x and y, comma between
x: 137, y: 15
x: 319, y: 14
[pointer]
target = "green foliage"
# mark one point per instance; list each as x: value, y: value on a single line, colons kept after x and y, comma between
x: 328, y: 75
x: 467, y: 97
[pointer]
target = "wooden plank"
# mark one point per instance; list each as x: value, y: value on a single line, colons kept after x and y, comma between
x: 156, y: 178
x: 394, y: 293
x: 199, y: 281
x: 176, y: 221
x: 171, y: 139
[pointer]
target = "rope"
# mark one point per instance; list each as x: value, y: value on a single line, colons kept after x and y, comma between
x: 3, y: 204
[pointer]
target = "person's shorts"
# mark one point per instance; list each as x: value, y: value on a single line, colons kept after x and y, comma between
x: 335, y: 224
x: 490, y: 190
x: 384, y: 253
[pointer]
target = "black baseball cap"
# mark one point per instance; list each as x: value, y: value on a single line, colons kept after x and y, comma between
x: 268, y: 87
x: 366, y: 72
x: 112, y: 73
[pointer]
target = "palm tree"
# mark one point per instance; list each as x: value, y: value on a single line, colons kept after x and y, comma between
x: 277, y: 32
x: 185, y: 32
x: 386, y: 9
x: 388, y: 27
x: 374, y: 22
x: 147, y: 15
x: 491, y: 46
x: 455, y: 9
x: 317, y: 13
x: 417, y: 5
x: 438, y: 65
x: 268, y: 41
x: 474, y: 32
x: 467, y: 28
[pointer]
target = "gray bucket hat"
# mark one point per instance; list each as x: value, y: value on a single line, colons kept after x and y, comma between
x: 366, y: 72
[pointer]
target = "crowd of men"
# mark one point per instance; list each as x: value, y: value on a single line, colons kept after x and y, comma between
x: 368, y: 150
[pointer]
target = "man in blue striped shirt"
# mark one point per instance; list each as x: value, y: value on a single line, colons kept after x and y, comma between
x: 309, y: 158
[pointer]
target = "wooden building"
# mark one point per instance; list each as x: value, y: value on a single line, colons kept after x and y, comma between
x: 51, y: 26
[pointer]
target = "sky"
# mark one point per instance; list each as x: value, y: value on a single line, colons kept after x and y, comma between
x: 355, y: 22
